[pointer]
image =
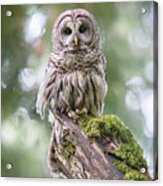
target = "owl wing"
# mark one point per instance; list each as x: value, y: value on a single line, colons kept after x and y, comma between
x: 103, y: 69
x: 103, y: 62
x: 46, y: 89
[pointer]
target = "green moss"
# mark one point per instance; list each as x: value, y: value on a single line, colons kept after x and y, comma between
x: 68, y: 151
x: 125, y: 148
x: 129, y: 173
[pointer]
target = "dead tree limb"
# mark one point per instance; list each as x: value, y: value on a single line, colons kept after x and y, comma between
x: 96, y: 148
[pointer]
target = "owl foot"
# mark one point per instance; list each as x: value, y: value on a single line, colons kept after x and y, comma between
x: 76, y: 114
x: 83, y: 110
x: 73, y: 115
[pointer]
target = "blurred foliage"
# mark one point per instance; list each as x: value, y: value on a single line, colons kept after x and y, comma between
x: 127, y: 37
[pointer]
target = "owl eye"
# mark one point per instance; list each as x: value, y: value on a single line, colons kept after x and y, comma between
x: 82, y: 29
x: 67, y: 31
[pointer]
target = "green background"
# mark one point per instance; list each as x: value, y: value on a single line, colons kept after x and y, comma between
x: 127, y: 41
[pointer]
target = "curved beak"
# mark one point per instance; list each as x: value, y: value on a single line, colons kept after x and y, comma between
x: 76, y: 41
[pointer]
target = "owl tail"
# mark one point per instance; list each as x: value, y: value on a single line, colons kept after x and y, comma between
x: 57, y: 126
x: 58, y: 131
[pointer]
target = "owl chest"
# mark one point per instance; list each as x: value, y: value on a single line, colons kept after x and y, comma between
x: 76, y: 63
x: 78, y: 90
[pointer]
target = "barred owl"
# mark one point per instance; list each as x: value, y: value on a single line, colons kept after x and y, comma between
x: 75, y: 76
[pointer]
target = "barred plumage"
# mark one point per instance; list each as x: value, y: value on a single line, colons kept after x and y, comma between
x: 69, y: 86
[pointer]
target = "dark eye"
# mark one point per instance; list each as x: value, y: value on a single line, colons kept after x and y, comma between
x: 82, y: 29
x: 67, y: 31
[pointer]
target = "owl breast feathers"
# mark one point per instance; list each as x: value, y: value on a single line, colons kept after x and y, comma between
x: 75, y: 75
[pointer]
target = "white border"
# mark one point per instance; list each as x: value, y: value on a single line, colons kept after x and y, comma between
x: 58, y: 1
x: 47, y: 182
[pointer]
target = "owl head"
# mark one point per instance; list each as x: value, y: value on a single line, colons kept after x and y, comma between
x: 75, y: 30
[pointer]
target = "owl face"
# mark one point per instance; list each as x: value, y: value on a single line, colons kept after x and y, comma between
x: 75, y: 30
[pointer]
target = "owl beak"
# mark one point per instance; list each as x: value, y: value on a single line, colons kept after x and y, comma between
x: 76, y: 40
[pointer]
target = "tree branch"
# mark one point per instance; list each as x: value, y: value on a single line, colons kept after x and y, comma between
x: 96, y: 148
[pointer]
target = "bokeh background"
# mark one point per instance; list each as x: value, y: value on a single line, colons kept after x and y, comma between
x: 127, y: 41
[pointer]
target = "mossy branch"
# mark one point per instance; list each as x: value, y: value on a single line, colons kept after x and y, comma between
x: 97, y: 148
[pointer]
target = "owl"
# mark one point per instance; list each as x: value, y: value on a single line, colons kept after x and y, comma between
x: 74, y: 80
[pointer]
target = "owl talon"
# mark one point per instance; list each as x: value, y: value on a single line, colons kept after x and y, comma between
x: 73, y: 115
x: 83, y: 110
x: 77, y: 111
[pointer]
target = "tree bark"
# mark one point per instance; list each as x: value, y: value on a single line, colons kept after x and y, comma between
x: 80, y: 156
